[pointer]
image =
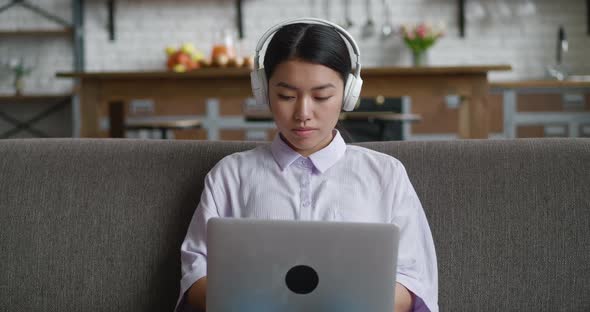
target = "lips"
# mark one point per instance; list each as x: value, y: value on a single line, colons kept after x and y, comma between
x: 304, y: 132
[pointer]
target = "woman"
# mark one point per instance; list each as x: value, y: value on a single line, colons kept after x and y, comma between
x: 309, y: 173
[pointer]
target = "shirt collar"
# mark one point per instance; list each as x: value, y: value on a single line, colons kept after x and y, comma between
x: 322, y: 160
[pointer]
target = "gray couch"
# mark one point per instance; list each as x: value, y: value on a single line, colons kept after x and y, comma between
x: 96, y: 225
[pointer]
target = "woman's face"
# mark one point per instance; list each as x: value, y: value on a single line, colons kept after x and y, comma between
x: 305, y: 100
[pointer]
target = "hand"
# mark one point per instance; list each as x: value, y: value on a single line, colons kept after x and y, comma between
x: 196, y: 295
x: 404, y: 299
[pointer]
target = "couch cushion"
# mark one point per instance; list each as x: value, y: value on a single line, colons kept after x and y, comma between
x: 96, y: 225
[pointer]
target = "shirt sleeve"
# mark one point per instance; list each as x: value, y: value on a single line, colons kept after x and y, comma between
x: 417, y: 265
x: 193, y: 252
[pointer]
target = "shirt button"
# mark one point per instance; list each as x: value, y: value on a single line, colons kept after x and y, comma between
x: 305, y: 163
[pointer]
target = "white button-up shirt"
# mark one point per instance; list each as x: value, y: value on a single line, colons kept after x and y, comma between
x: 338, y: 183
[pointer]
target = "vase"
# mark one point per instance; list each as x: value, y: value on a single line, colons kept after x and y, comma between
x: 419, y: 58
x: 19, y: 85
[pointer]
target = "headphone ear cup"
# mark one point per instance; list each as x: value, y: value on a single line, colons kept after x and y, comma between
x: 259, y: 86
x: 347, y: 88
x: 352, y: 92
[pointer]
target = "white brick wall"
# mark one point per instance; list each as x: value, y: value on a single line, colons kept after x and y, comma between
x: 145, y: 27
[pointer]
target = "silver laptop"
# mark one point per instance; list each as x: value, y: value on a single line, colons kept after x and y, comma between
x: 287, y: 266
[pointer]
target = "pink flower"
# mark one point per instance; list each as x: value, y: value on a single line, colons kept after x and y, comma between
x: 421, y: 31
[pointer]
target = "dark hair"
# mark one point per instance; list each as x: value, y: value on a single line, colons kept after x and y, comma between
x: 314, y: 43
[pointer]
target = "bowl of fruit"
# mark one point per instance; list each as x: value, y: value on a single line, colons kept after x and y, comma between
x: 183, y: 59
x: 188, y: 58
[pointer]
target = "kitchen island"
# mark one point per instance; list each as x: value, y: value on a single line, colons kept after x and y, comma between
x: 116, y: 89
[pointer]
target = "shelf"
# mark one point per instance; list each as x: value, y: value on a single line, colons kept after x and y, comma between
x: 36, y: 32
x: 33, y: 98
x: 228, y: 73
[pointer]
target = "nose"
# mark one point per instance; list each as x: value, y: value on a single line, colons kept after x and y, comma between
x: 303, y: 109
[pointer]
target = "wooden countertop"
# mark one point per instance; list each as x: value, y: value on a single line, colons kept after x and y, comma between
x: 205, y: 73
x: 540, y: 83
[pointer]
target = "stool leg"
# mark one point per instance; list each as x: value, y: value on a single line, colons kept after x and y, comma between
x: 117, y: 119
x: 382, y: 130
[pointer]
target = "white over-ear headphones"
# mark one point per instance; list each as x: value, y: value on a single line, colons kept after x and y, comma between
x: 353, y: 83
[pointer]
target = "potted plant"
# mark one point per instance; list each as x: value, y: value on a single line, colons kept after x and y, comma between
x: 20, y: 71
x: 419, y: 38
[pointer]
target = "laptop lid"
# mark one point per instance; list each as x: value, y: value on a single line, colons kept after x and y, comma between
x: 280, y: 265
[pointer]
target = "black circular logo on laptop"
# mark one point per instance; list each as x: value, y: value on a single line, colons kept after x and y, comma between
x: 302, y: 279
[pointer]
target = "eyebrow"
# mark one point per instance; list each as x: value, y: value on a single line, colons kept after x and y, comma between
x: 288, y: 86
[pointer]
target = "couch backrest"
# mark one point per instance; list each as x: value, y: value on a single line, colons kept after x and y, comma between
x: 96, y: 225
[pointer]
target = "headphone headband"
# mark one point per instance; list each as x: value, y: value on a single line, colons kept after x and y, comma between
x: 352, y: 84
x: 309, y: 20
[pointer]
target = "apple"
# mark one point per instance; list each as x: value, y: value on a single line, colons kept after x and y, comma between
x: 198, y: 55
x: 188, y: 48
x: 249, y: 62
x: 235, y: 62
x: 221, y: 60
x: 205, y: 62
x: 182, y: 58
x: 170, y: 50
x: 179, y: 68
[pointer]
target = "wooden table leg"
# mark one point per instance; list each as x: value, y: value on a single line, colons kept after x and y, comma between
x: 117, y: 119
x: 89, y: 106
x: 474, y: 118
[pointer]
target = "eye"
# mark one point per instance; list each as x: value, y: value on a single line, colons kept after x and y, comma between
x: 285, y: 97
x: 321, y: 99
